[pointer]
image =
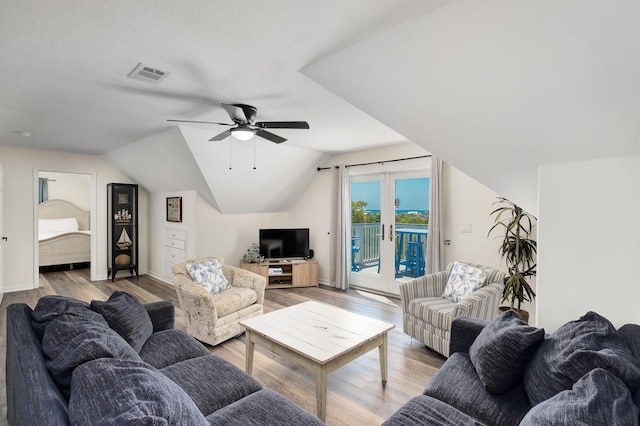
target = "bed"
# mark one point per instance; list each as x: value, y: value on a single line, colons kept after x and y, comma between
x: 64, y: 235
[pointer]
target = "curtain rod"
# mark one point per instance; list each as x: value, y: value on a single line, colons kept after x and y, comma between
x: 376, y: 162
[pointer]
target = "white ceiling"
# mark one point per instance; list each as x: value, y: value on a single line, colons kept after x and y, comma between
x: 495, y: 87
x: 500, y: 87
x: 65, y: 63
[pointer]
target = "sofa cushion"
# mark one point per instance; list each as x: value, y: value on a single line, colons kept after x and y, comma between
x: 502, y: 350
x: 463, y: 280
x: 71, y: 342
x: 234, y: 299
x: 575, y: 349
x: 265, y: 407
x: 127, y: 316
x: 458, y: 385
x: 598, y: 398
x: 211, y: 381
x: 170, y: 346
x: 424, y: 410
x: 120, y: 392
x: 49, y: 308
x: 208, y: 274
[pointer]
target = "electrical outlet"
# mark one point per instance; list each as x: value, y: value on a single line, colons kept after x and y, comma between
x: 467, y: 228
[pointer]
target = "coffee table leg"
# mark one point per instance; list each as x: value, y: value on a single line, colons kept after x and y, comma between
x: 321, y: 393
x: 383, y: 348
x: 249, y: 355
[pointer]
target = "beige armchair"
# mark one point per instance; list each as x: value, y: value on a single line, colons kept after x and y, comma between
x: 213, y: 318
x: 427, y: 316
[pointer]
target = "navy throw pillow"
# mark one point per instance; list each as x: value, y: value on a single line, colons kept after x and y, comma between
x: 598, y: 398
x: 575, y: 349
x: 117, y: 392
x: 68, y: 344
x: 502, y: 350
x: 49, y: 308
x: 127, y: 316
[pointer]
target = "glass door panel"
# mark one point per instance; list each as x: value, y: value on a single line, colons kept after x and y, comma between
x: 411, y: 224
x: 389, y: 228
x: 367, y: 199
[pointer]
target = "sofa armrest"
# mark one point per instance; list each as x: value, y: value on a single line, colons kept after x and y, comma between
x: 194, y: 299
x: 482, y: 303
x: 162, y: 314
x: 239, y: 277
x: 430, y: 285
x: 464, y: 331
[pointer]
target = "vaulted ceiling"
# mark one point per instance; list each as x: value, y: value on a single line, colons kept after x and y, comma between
x: 500, y: 87
x: 495, y: 87
x: 65, y: 86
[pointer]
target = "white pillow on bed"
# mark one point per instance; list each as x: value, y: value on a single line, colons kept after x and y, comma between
x: 67, y: 224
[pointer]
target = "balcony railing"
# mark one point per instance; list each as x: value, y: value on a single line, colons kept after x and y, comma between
x: 365, y: 247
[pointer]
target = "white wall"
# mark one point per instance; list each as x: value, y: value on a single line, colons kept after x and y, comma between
x: 466, y: 201
x: 20, y: 199
x: 313, y: 210
x: 588, y: 241
x: 72, y: 187
x: 229, y: 236
x: 158, y: 223
x: 209, y: 232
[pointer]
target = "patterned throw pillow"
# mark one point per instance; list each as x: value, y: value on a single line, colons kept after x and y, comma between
x: 208, y: 275
x: 463, y: 280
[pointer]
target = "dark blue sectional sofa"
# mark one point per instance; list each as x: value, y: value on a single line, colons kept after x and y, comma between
x: 118, y: 362
x: 505, y: 372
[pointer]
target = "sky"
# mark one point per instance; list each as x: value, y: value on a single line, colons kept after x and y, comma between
x: 412, y: 193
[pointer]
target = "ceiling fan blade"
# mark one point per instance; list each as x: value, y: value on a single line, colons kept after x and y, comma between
x: 270, y: 136
x: 221, y: 136
x: 283, y: 124
x: 241, y: 112
x: 202, y: 122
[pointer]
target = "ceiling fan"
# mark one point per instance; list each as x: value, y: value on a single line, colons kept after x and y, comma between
x: 246, y: 126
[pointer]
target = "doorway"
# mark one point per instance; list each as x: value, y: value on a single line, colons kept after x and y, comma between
x: 64, y: 199
x: 389, y: 229
x: 2, y: 237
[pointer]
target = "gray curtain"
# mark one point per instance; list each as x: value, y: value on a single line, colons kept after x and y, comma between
x: 43, y: 190
x: 435, y: 242
x: 341, y: 226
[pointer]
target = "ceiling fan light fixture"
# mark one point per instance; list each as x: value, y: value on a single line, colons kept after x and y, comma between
x: 243, y: 133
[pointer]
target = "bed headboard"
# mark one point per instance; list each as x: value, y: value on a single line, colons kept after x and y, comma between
x: 59, y: 209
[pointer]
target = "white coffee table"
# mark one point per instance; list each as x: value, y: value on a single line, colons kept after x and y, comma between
x: 319, y: 338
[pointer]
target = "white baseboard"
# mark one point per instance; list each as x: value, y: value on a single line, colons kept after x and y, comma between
x: 161, y: 278
x: 18, y: 287
x: 324, y: 281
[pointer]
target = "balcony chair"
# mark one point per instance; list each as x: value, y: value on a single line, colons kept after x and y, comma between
x: 427, y: 315
x: 213, y: 318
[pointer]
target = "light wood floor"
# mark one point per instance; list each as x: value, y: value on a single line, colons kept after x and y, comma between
x: 355, y: 394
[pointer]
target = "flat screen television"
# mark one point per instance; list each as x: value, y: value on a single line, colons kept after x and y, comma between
x: 284, y: 243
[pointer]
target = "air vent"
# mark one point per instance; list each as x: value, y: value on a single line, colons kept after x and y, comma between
x: 146, y: 73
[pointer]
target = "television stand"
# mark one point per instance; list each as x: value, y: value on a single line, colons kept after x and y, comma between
x: 286, y: 273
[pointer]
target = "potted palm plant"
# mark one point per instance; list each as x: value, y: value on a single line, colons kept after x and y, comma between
x: 518, y: 250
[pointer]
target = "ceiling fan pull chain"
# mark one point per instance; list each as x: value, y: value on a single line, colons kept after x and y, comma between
x: 229, y: 153
x: 254, y: 153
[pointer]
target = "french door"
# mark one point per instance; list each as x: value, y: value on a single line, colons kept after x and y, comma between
x: 389, y: 229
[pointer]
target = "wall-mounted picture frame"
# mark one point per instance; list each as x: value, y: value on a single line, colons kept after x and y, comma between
x: 174, y: 209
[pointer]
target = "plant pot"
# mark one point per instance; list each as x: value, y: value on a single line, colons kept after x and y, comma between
x: 524, y: 314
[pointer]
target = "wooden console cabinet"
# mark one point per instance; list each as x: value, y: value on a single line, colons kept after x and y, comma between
x: 294, y: 273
